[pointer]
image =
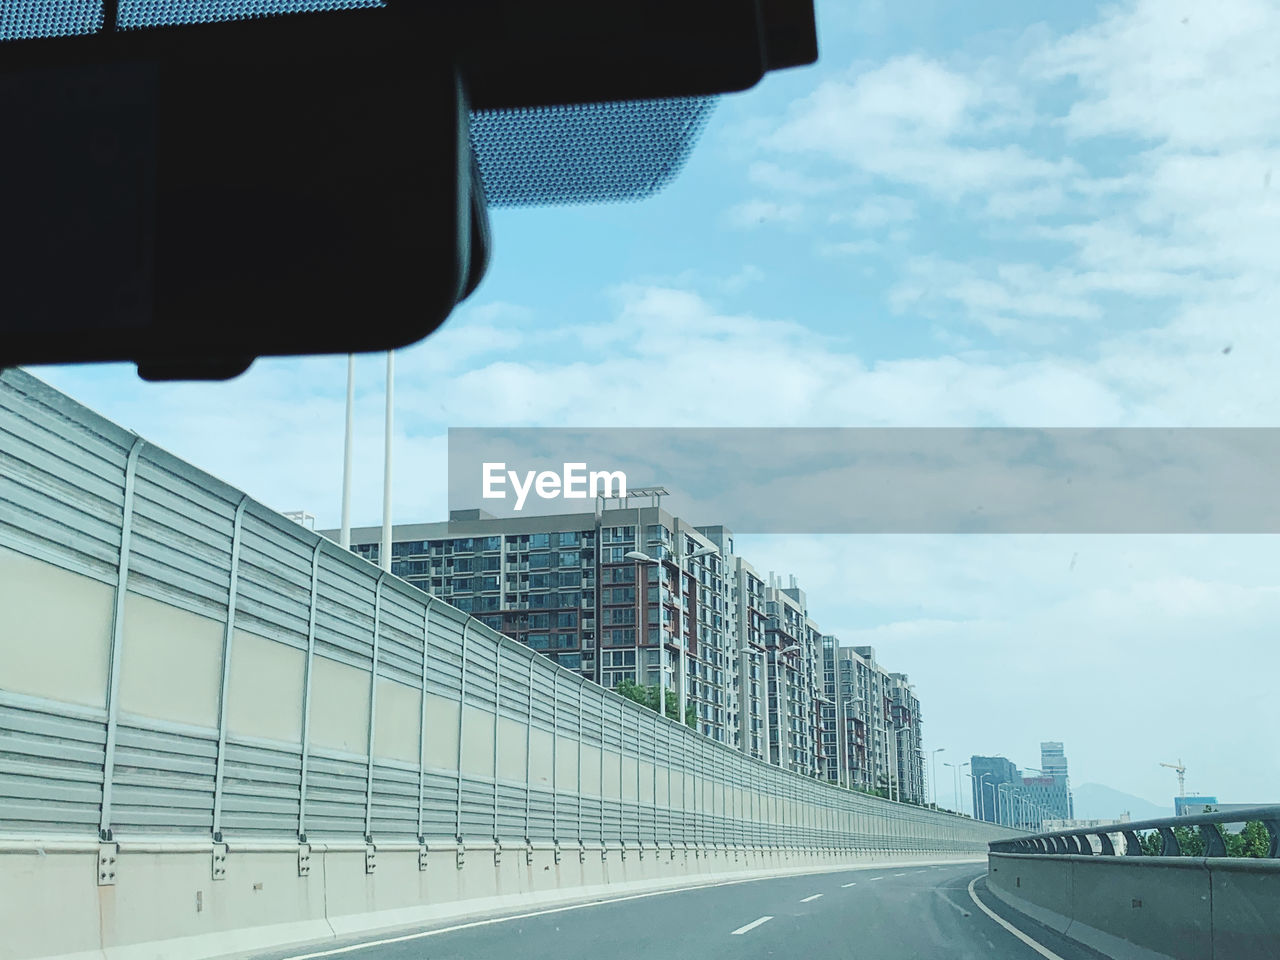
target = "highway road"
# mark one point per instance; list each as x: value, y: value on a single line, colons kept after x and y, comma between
x: 902, y: 913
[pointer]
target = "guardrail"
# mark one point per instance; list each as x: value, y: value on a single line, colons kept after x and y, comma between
x: 1081, y: 840
x: 1187, y: 901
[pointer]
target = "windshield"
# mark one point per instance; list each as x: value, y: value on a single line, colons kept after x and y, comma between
x: 976, y: 217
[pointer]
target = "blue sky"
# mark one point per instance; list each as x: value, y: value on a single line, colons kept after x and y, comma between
x: 966, y: 214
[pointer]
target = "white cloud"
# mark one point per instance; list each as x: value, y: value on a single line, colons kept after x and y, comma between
x: 1013, y: 640
x: 914, y: 121
x: 1177, y: 73
x: 876, y: 212
x: 756, y: 212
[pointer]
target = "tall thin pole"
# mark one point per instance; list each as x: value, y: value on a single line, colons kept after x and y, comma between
x: 840, y: 762
x: 384, y: 554
x: 344, y: 537
x: 642, y: 584
x: 682, y: 659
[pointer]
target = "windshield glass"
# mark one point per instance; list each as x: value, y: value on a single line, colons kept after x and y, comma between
x: 985, y: 216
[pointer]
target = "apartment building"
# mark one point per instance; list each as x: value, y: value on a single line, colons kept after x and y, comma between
x: 793, y: 658
x: 905, y: 721
x: 736, y: 645
x: 563, y: 585
x: 871, y: 724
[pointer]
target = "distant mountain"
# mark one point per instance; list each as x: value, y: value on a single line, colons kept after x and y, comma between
x: 1093, y: 801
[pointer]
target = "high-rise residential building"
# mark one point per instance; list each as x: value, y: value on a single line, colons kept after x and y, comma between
x: 562, y: 584
x: 747, y: 630
x: 905, y: 721
x: 793, y: 652
x: 755, y: 669
x: 871, y: 724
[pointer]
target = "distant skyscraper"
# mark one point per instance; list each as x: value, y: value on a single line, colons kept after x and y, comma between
x: 1001, y: 794
x: 988, y: 774
x: 1053, y: 761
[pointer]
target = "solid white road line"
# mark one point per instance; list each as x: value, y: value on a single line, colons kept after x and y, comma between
x: 1037, y: 947
x: 843, y: 885
x: 814, y: 897
x: 750, y: 926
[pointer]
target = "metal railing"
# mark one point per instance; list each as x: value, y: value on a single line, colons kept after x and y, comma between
x: 324, y: 698
x: 1080, y: 841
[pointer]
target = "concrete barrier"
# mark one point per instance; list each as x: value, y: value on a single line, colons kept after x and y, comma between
x: 163, y: 900
x: 1148, y: 908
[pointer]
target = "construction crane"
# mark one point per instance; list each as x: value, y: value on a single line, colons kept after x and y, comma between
x: 1182, y: 775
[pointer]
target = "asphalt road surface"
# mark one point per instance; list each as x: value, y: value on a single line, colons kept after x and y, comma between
x: 902, y: 913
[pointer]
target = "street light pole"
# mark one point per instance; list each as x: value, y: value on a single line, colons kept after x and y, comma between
x: 934, y: 774
x: 955, y: 786
x: 642, y: 587
x: 640, y: 558
x: 344, y: 535
x: 779, y: 690
x: 384, y: 554
x: 982, y: 794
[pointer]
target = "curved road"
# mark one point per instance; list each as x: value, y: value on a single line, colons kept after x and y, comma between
x: 895, y: 913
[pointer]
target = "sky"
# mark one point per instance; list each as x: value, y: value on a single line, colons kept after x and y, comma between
x: 981, y: 214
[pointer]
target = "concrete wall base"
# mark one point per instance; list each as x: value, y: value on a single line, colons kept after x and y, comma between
x: 175, y: 901
x: 1105, y: 943
x: 1148, y: 908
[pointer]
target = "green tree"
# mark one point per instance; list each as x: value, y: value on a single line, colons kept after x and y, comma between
x: 1151, y: 843
x: 1190, y: 841
x: 647, y: 696
x: 1252, y: 841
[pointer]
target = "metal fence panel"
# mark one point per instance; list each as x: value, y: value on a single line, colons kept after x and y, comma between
x: 617, y: 772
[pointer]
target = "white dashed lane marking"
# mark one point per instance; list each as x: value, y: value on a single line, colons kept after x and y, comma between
x: 750, y: 926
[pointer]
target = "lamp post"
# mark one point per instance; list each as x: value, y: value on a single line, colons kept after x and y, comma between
x: 642, y: 585
x: 934, y: 774
x: 843, y: 727
x: 961, y: 769
x: 640, y: 558
x: 384, y: 554
x: 684, y: 641
x: 982, y: 794
x: 818, y: 698
x: 779, y: 689
x: 762, y: 700
x: 955, y: 785
x: 897, y: 761
x: 344, y: 535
